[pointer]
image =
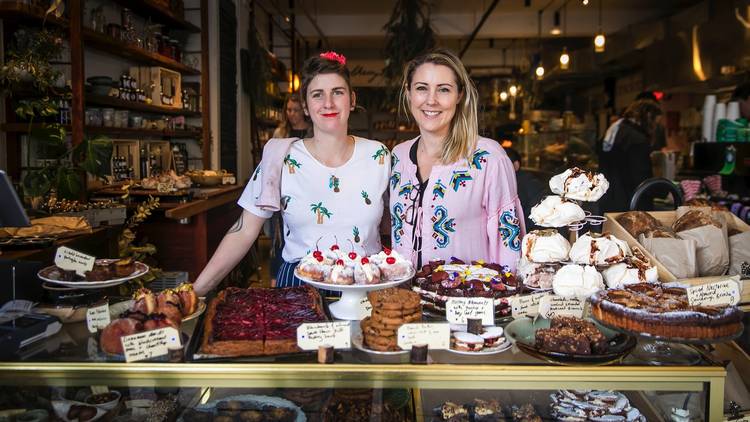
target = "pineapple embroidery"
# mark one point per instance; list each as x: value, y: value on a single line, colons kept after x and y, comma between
x: 355, y: 233
x: 367, y: 198
x: 333, y: 183
x: 291, y: 163
x: 380, y: 155
x: 320, y: 212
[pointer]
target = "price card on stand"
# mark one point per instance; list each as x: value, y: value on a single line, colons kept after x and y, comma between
x: 720, y: 293
x: 434, y: 335
x: 97, y: 317
x: 365, y: 307
x: 71, y: 260
x: 522, y: 306
x: 551, y: 306
x: 150, y: 344
x: 313, y: 335
x: 459, y: 309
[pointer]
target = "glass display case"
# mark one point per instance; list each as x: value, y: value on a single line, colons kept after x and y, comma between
x: 68, y: 368
x: 554, y: 151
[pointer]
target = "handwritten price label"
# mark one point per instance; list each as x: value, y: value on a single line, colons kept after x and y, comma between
x: 72, y: 260
x: 337, y: 334
x: 551, y: 306
x: 435, y: 336
x: 150, y: 344
x: 459, y: 309
x: 522, y: 306
x: 725, y: 292
x: 365, y: 308
x: 97, y: 317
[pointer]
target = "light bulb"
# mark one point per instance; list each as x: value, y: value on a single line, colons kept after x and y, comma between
x: 599, y: 42
x: 555, y: 30
x: 564, y: 60
x: 513, y: 90
x: 503, y: 96
x: 585, y: 2
x: 539, y: 71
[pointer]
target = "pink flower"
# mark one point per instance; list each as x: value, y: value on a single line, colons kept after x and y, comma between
x: 332, y: 55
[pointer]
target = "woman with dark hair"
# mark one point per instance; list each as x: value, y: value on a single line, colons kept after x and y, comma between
x: 625, y: 154
x: 329, y: 186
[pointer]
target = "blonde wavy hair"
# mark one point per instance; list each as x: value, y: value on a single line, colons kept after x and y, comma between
x: 464, y: 127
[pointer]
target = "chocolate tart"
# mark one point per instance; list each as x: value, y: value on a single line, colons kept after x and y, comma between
x: 664, y: 312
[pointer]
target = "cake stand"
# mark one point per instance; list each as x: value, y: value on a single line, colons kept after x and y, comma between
x: 349, y: 306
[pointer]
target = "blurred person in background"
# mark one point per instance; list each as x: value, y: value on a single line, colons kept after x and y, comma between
x: 530, y: 189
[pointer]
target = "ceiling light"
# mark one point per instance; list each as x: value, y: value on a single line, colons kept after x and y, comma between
x: 556, y: 26
x: 513, y: 90
x: 585, y: 2
x: 503, y: 96
x: 539, y: 71
x: 564, y: 59
x: 599, y: 42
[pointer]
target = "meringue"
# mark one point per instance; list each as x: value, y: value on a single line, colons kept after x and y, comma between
x: 555, y: 211
x: 595, y: 249
x: 537, y: 276
x: 577, y: 281
x: 579, y: 185
x: 624, y: 273
x: 544, y: 246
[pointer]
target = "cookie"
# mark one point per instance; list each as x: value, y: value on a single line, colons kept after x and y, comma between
x: 393, y: 299
x: 394, y: 314
x: 379, y: 332
x: 402, y: 319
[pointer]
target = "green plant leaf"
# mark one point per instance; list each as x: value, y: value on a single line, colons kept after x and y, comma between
x: 68, y: 183
x: 94, y: 154
x: 36, y: 182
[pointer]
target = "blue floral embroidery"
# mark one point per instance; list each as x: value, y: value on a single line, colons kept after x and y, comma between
x: 459, y: 179
x: 395, y: 179
x: 397, y: 222
x: 441, y: 226
x: 510, y: 231
x: 405, y: 189
x: 438, y: 190
x: 479, y: 158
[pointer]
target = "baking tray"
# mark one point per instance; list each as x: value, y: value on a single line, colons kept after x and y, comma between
x: 192, y: 352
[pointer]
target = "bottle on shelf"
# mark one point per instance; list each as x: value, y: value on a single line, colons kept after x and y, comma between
x: 144, y: 163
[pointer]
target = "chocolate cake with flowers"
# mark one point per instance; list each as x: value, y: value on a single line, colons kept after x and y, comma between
x: 437, y: 281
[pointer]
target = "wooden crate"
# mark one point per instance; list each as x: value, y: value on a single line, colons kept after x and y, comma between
x: 163, y: 80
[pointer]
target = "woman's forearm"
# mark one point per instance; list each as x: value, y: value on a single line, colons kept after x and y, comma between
x: 231, y: 250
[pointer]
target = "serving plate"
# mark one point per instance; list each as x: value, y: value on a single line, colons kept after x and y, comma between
x: 116, y: 309
x: 52, y: 274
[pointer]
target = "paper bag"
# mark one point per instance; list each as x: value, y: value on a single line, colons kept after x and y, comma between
x: 739, y: 252
x: 677, y: 255
x: 712, y: 251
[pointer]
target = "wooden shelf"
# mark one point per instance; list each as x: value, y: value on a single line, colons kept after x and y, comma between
x: 115, y: 131
x: 106, y: 44
x: 146, y: 8
x: 18, y: 11
x: 136, y: 106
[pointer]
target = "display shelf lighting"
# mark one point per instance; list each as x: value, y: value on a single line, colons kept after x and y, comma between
x: 564, y: 59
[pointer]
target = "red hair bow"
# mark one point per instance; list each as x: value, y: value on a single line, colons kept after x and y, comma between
x: 332, y: 55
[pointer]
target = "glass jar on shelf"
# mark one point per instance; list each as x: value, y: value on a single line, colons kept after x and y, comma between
x: 108, y: 117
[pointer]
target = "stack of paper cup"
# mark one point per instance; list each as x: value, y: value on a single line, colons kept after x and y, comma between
x: 720, y: 112
x: 709, y: 104
x: 733, y: 111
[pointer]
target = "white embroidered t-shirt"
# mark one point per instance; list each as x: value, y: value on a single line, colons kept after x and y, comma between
x: 325, y: 205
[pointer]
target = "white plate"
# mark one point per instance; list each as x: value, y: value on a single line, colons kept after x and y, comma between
x: 61, y: 408
x: 354, y: 287
x: 116, y: 309
x: 47, y: 273
x: 257, y: 401
x: 484, y: 352
x: 358, y: 344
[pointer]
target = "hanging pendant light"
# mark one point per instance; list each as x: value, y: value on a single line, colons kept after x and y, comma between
x: 513, y: 90
x: 599, y: 39
x: 503, y: 96
x: 564, y: 59
x: 556, y: 24
x: 539, y: 71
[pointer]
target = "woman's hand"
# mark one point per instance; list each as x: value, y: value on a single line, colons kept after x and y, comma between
x: 231, y: 250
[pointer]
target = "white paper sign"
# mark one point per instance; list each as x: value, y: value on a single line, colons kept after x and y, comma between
x: 725, y: 292
x: 365, y: 308
x: 459, y: 309
x: 72, y: 260
x: 551, y: 306
x: 97, y: 317
x: 435, y: 336
x: 150, y: 344
x: 337, y: 334
x: 522, y: 306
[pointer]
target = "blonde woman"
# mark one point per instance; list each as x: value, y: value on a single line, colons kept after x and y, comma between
x: 293, y: 123
x: 452, y: 192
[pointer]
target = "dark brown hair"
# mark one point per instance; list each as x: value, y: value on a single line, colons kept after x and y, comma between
x: 317, y: 65
x: 643, y: 113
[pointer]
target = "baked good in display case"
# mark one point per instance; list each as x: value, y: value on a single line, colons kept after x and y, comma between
x: 437, y: 281
x: 636, y: 268
x: 579, y: 184
x: 256, y: 321
x: 638, y: 222
x: 598, y: 249
x: 478, y: 410
x: 575, y: 280
x: 568, y: 334
x: 337, y: 267
x: 525, y: 413
x: 663, y: 312
x: 544, y: 246
x: 537, y: 276
x: 693, y: 219
x: 596, y: 405
x: 391, y: 308
x: 555, y: 211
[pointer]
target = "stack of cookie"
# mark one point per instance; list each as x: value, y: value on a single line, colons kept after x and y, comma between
x: 390, y: 309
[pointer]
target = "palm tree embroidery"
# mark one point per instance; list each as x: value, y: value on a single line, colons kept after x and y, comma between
x: 320, y: 211
x: 367, y: 198
x: 355, y: 232
x: 380, y: 155
x: 333, y: 182
x: 285, y: 201
x: 291, y: 162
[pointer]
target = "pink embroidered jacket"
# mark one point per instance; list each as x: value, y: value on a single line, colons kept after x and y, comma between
x: 469, y: 209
